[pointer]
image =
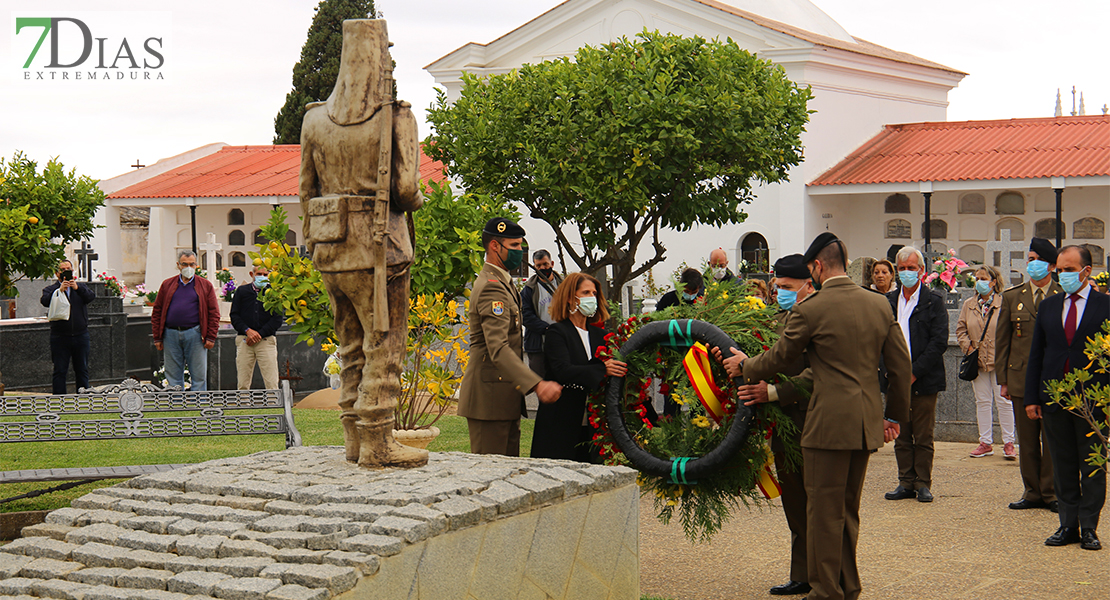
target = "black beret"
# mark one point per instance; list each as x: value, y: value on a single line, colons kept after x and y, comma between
x: 793, y: 266
x: 818, y: 245
x: 1044, y: 249
x: 502, y: 227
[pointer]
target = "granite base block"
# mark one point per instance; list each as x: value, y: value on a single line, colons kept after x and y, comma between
x: 499, y: 527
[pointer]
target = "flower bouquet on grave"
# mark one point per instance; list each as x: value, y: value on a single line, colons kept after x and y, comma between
x: 114, y: 287
x: 946, y: 272
x: 1102, y: 280
x: 705, y: 395
x: 227, y: 284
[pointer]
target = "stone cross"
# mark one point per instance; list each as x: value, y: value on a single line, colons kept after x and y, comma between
x: 931, y: 255
x: 210, y: 248
x: 1006, y: 265
x: 85, y: 257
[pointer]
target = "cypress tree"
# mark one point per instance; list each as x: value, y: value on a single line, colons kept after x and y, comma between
x: 315, y: 73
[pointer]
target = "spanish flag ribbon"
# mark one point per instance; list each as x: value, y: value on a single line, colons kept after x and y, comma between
x: 767, y: 482
x: 697, y: 368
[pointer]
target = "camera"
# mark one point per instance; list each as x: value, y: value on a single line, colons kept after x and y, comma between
x: 67, y: 275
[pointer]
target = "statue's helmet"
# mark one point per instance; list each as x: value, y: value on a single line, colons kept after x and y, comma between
x: 365, y: 79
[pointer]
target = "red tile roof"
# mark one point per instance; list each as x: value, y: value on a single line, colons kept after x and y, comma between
x: 241, y: 171
x: 953, y: 151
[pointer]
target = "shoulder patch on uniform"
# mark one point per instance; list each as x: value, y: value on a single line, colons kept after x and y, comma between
x: 1013, y: 287
x: 498, y: 308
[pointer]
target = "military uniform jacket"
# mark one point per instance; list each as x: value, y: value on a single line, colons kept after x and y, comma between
x: 1014, y: 334
x: 788, y: 394
x: 338, y: 194
x: 496, y: 377
x: 843, y: 330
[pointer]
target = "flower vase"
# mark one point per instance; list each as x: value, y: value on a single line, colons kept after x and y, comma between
x: 416, y: 438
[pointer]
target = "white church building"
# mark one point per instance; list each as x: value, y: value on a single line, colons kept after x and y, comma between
x: 858, y: 87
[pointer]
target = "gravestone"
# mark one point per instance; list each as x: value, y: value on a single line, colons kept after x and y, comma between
x: 210, y: 248
x: 859, y: 270
x: 1089, y: 228
x: 1009, y: 268
x: 85, y: 258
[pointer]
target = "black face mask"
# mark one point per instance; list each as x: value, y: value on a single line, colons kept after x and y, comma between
x: 546, y: 273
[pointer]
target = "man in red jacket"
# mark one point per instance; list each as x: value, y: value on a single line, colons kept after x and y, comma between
x: 184, y: 322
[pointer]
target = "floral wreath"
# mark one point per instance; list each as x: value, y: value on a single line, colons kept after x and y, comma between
x: 712, y: 456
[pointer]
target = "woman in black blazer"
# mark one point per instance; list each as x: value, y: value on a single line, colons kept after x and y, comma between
x: 570, y: 348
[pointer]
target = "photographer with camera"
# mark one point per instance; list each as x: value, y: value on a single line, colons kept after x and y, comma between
x: 69, y: 338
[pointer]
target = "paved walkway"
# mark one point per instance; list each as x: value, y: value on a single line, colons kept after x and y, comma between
x: 965, y: 545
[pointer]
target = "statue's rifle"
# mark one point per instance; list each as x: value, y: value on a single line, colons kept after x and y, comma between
x: 381, y: 204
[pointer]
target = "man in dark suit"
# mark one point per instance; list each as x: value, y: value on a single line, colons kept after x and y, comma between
x: 69, y: 339
x: 1013, y: 337
x: 692, y: 286
x: 844, y: 331
x: 924, y: 323
x: 1064, y: 324
x: 794, y: 286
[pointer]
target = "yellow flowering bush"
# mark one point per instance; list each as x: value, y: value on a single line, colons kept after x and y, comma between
x: 1090, y: 401
x: 435, y: 360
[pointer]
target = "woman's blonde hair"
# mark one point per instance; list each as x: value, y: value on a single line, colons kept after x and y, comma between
x: 560, y: 309
x: 882, y: 261
x: 995, y: 275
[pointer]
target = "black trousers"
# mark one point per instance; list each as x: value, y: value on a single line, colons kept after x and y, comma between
x: 1081, y: 494
x: 66, y: 349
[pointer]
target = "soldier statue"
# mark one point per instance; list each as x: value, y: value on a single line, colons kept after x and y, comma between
x: 359, y: 176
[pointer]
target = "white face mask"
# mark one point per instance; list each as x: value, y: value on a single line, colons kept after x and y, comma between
x: 587, y: 306
x: 719, y: 273
x: 188, y: 272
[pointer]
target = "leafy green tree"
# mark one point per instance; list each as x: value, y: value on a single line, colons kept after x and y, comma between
x: 660, y: 131
x: 314, y: 75
x: 41, y: 212
x: 448, y: 244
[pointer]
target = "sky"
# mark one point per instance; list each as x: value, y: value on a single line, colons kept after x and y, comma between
x: 228, y: 65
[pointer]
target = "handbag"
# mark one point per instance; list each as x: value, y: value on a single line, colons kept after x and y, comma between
x: 59, y: 307
x: 969, y: 364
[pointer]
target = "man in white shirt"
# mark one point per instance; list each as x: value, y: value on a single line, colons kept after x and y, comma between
x: 924, y: 323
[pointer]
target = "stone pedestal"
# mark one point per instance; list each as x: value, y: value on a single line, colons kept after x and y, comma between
x: 304, y: 523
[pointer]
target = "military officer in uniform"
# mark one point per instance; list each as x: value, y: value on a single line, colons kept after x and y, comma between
x: 1013, y: 340
x: 844, y: 330
x: 496, y: 378
x: 792, y: 281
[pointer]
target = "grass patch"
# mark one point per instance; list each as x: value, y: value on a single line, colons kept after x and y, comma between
x: 317, y: 427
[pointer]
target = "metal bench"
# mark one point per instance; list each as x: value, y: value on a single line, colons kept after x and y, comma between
x: 120, y: 412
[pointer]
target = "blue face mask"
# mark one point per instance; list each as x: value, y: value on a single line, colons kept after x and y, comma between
x: 689, y: 297
x: 1070, y: 282
x: 983, y: 287
x: 1037, y: 269
x: 787, y: 298
x: 261, y: 281
x: 908, y: 278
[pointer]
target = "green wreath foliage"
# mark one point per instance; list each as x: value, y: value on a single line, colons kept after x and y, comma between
x: 702, y: 507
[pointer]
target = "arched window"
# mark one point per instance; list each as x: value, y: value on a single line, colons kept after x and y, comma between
x: 1046, y: 228
x: 898, y: 228
x: 291, y: 238
x: 1009, y: 203
x: 259, y: 239
x: 1016, y: 227
x: 1088, y: 228
x: 236, y: 238
x: 972, y: 253
x: 235, y: 217
x: 897, y: 203
x: 238, y: 259
x: 973, y: 204
x: 1098, y: 255
x: 202, y: 261
x: 938, y: 229
x: 754, y: 249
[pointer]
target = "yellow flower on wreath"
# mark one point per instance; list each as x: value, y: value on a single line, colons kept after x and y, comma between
x: 701, y: 421
x: 678, y: 399
x: 755, y: 303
